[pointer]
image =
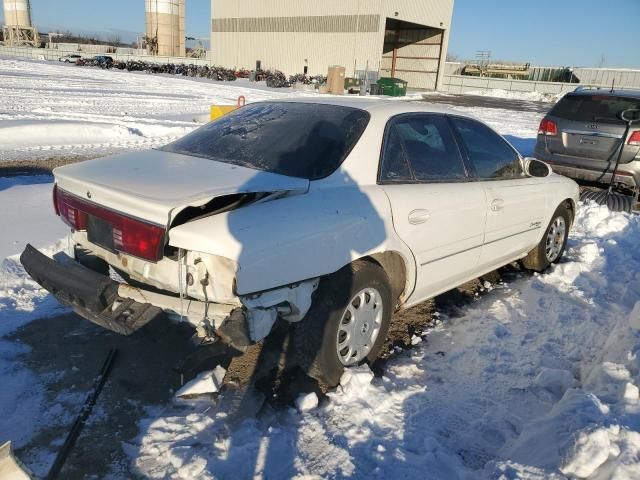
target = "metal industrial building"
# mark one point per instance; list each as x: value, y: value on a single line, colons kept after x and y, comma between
x: 398, y: 38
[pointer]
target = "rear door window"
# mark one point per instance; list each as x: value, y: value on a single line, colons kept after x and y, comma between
x: 593, y: 108
x: 489, y: 154
x: 420, y: 148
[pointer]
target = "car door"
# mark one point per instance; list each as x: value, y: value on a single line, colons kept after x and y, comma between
x: 437, y: 211
x: 515, y: 203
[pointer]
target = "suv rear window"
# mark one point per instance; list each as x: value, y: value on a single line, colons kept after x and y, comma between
x: 302, y: 140
x: 593, y: 108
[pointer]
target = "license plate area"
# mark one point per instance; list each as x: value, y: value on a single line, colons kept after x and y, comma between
x: 100, y: 232
x: 588, y: 141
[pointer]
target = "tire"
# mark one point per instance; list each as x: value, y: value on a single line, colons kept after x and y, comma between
x: 315, y: 338
x: 540, y: 258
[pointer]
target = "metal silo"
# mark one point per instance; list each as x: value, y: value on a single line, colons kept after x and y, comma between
x: 165, y: 27
x: 18, y: 29
x: 17, y: 12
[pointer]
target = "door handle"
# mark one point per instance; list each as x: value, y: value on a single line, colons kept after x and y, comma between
x: 497, y: 205
x: 419, y: 216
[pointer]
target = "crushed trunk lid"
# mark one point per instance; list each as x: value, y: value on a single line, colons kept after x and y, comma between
x: 155, y: 185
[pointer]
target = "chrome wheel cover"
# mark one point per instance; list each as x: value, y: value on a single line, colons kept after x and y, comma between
x: 555, y: 239
x: 359, y: 326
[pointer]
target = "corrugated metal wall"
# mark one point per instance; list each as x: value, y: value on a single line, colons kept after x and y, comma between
x: 316, y: 24
x: 466, y: 84
x: 289, y: 35
x: 608, y: 76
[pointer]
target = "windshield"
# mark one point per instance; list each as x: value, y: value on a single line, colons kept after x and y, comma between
x: 296, y: 139
x: 593, y: 108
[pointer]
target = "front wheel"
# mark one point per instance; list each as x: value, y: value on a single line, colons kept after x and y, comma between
x: 553, y: 243
x: 347, y: 323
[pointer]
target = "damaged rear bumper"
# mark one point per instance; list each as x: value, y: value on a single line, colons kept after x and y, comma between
x: 91, y: 295
x: 120, y: 307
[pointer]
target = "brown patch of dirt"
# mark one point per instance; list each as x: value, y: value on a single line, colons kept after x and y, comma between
x: 11, y: 168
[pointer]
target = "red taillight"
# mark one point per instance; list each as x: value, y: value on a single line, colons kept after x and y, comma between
x: 68, y: 208
x: 129, y: 235
x: 547, y: 127
x: 138, y: 238
x: 634, y: 139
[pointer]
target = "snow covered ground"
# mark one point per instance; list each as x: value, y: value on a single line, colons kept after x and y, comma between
x: 537, y: 378
x: 50, y: 109
x: 33, y: 195
x: 531, y: 96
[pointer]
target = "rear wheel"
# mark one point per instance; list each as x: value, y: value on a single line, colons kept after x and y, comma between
x: 553, y: 243
x: 347, y: 323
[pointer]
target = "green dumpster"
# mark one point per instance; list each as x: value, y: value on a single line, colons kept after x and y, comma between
x: 393, y: 87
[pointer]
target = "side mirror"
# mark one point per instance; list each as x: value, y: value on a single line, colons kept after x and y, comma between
x: 536, y: 168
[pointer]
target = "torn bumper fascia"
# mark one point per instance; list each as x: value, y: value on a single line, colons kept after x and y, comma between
x: 291, y: 303
x: 165, y: 273
x: 113, y: 305
x: 124, y: 309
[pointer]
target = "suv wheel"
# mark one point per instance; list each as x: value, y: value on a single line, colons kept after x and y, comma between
x: 347, y: 323
x: 553, y: 243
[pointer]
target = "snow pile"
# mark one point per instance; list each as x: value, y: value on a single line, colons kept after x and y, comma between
x: 206, y: 382
x: 43, y: 134
x: 591, y: 432
x: 307, y: 401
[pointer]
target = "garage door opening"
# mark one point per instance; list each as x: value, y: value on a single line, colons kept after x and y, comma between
x: 412, y: 52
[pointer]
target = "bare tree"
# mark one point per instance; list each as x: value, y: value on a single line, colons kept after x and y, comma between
x: 114, y: 39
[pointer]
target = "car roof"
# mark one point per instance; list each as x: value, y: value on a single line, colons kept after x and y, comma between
x: 378, y: 105
x: 605, y: 92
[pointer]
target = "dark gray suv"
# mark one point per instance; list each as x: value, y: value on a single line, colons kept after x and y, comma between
x: 581, y: 136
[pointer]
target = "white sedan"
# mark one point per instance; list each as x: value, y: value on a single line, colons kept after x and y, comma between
x: 73, y: 58
x: 329, y: 214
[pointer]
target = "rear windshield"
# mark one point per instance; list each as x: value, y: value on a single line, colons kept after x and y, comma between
x: 593, y: 108
x: 296, y: 139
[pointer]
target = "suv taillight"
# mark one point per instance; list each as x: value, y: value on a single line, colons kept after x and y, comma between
x: 130, y: 235
x: 547, y: 127
x: 634, y: 139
